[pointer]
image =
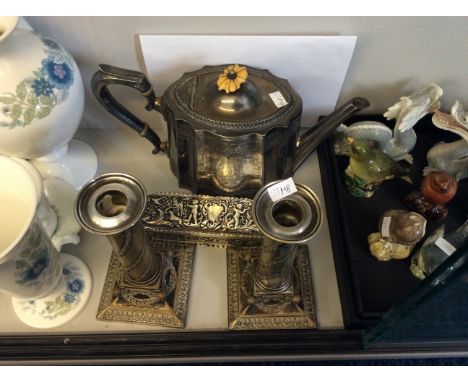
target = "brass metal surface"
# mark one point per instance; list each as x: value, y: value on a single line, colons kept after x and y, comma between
x: 251, y: 309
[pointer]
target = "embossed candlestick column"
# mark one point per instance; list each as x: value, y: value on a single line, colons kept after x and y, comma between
x: 270, y: 286
x: 142, y: 282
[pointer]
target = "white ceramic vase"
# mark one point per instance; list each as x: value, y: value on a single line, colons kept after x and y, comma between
x: 41, y: 105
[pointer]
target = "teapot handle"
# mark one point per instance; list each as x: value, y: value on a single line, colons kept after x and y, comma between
x: 112, y: 75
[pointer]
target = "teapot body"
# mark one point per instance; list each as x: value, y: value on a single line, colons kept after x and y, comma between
x: 219, y: 143
x: 230, y: 130
x: 206, y: 162
x: 230, y: 143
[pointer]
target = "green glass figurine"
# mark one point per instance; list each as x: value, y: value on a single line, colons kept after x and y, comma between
x: 369, y: 167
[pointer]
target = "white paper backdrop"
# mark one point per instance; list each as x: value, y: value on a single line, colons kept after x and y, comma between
x: 315, y: 66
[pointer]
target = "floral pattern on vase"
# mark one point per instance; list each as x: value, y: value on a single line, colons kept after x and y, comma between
x: 38, y: 262
x: 60, y: 304
x: 37, y: 95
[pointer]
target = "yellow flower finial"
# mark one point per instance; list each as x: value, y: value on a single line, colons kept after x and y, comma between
x: 232, y: 78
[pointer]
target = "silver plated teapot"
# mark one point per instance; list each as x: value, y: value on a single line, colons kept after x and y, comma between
x: 231, y: 128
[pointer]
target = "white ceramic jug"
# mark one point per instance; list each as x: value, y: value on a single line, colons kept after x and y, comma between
x: 48, y: 288
x: 29, y: 263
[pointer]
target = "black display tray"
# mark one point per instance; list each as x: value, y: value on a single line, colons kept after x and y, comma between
x: 368, y: 288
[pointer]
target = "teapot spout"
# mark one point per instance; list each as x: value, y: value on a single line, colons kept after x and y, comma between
x: 314, y: 136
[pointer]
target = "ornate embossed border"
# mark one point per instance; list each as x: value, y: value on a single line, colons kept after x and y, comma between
x: 237, y: 306
x: 168, y: 216
x: 294, y: 102
x: 172, y: 316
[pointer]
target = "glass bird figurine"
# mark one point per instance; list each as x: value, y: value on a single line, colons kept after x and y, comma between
x: 399, y: 141
x: 451, y: 157
x: 369, y: 167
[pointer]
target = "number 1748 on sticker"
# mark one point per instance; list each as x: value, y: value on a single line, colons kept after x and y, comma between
x: 282, y: 189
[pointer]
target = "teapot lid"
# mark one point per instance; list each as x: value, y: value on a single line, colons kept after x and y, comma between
x: 233, y: 100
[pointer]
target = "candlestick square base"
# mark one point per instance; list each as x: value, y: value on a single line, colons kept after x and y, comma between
x: 250, y: 310
x: 163, y: 302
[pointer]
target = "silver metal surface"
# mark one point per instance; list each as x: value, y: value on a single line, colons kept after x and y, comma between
x: 269, y: 281
x: 145, y: 282
x: 293, y: 219
x: 243, y: 104
x: 216, y: 221
x: 251, y: 308
x: 273, y: 270
x: 161, y: 304
x: 225, y: 144
x: 270, y: 286
x: 110, y: 204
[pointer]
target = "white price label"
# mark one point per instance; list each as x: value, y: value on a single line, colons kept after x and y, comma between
x: 445, y: 246
x: 282, y: 189
x: 386, y: 226
x: 278, y: 99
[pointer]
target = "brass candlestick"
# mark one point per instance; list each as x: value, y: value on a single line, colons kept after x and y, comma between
x: 146, y: 283
x: 270, y: 286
